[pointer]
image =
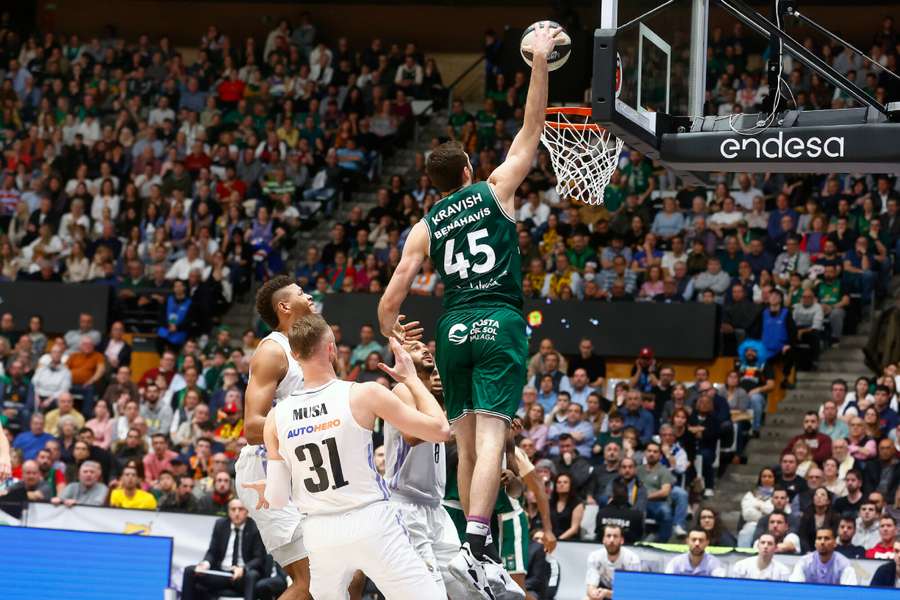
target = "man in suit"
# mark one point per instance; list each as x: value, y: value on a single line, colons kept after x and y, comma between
x: 235, y: 546
x: 888, y: 574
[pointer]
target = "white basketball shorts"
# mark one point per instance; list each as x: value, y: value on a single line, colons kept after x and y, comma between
x: 373, y: 540
x: 280, y: 529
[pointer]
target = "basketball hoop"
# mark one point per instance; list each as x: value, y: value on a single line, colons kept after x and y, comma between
x: 583, y: 154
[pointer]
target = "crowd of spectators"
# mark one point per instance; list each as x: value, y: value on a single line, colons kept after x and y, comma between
x: 85, y: 431
x: 131, y: 164
x: 178, y: 183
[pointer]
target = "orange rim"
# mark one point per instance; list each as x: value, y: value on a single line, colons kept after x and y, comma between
x: 578, y: 111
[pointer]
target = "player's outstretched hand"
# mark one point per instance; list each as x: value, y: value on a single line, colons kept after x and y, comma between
x: 412, y: 331
x: 260, y: 487
x: 543, y: 39
x: 403, y: 368
x: 5, y: 468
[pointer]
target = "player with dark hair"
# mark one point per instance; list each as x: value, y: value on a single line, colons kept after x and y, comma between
x: 274, y: 375
x: 481, y: 354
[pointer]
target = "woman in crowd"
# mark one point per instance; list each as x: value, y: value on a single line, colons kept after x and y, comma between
x: 80, y: 453
x: 535, y: 428
x: 653, y: 285
x: 708, y: 520
x: 101, y: 424
x: 677, y: 401
x: 860, y: 395
x: 756, y: 504
x: 832, y: 480
x: 819, y: 514
x: 566, y: 509
x: 872, y: 421
x: 804, y: 458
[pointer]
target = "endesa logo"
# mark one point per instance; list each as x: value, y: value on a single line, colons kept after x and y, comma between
x: 782, y: 147
x: 307, y: 429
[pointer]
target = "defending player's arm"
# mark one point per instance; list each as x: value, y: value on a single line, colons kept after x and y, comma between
x: 406, y: 397
x: 426, y: 421
x: 509, y: 477
x: 414, y: 252
x: 536, y: 487
x: 267, y: 367
x: 509, y: 176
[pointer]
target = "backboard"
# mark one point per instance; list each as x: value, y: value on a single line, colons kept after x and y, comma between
x: 648, y: 55
x: 657, y: 61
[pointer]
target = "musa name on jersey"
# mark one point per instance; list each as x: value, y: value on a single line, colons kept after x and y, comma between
x: 330, y: 455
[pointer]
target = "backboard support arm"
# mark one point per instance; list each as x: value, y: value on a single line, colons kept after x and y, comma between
x: 758, y: 22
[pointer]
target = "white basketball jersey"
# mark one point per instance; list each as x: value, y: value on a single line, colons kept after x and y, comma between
x: 330, y: 455
x: 293, y: 379
x: 415, y: 474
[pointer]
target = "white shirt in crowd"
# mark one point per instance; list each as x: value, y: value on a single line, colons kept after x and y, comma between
x: 792, y: 538
x: 538, y: 214
x: 601, y: 572
x: 748, y: 568
x: 182, y: 267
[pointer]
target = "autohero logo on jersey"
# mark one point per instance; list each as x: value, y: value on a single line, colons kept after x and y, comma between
x: 458, y: 334
x: 302, y: 413
x: 454, y: 209
x: 779, y: 146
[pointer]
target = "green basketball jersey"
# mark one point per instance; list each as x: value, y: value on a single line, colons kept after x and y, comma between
x: 475, y: 249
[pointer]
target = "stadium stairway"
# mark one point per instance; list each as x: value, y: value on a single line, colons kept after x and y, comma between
x: 241, y: 314
x: 811, y: 390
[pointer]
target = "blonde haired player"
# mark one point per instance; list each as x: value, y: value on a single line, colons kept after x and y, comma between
x: 481, y: 345
x: 320, y: 453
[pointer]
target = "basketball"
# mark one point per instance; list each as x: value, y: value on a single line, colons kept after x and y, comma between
x: 560, y: 53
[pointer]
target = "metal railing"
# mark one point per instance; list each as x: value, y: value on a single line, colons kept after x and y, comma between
x: 430, y: 107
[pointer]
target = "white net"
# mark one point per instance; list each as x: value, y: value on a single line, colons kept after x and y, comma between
x: 583, y: 155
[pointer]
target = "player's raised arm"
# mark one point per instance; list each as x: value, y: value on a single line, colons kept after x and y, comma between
x: 414, y: 252
x: 267, y: 368
x: 426, y: 421
x: 405, y: 396
x: 509, y: 176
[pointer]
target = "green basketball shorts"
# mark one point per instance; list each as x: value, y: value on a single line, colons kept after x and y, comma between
x: 482, y: 356
x: 513, y: 541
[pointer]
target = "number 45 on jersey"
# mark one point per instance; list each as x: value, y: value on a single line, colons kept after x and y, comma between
x: 457, y: 262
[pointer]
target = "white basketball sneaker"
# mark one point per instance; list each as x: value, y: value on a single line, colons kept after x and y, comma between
x: 470, y: 572
x: 503, y: 586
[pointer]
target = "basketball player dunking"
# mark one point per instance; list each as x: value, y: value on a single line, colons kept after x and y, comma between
x: 320, y: 454
x: 482, y: 350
